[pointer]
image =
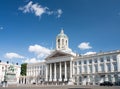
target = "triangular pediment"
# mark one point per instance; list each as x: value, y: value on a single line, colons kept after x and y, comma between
x: 58, y: 54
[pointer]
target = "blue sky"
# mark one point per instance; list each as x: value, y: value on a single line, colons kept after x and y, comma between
x: 28, y: 26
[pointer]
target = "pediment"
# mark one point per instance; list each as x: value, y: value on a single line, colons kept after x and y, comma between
x: 58, y: 54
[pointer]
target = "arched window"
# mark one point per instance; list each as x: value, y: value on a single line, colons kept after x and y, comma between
x: 58, y: 41
x: 66, y: 42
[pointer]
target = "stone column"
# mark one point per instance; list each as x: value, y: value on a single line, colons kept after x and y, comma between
x: 88, y: 68
x: 46, y: 73
x: 77, y: 80
x: 112, y: 67
x: 93, y: 79
x: 98, y: 66
x: 82, y: 69
x: 106, y: 77
x: 54, y: 71
x: 60, y: 77
x: 93, y: 67
x: 71, y: 70
x: 88, y: 79
x: 105, y: 66
x: 23, y: 80
x: 112, y: 78
x: 118, y: 62
x: 65, y: 72
x: 50, y: 72
x: 77, y: 68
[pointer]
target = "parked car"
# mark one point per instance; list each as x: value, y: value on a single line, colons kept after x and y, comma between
x: 106, y: 83
x: 34, y: 83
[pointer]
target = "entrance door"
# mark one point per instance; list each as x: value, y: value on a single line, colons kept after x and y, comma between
x: 63, y: 78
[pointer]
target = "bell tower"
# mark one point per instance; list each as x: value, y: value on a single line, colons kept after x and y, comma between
x: 62, y: 41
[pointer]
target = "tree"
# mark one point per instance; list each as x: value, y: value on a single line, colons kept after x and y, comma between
x: 23, y: 69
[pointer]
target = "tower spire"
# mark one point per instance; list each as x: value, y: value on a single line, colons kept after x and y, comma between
x: 62, y: 41
x: 62, y: 31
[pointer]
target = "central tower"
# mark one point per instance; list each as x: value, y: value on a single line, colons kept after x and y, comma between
x: 62, y: 41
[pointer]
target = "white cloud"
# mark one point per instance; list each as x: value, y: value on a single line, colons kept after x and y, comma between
x: 59, y: 12
x: 39, y: 50
x: 88, y: 53
x: 39, y: 10
x: 13, y: 55
x: 32, y: 60
x: 84, y: 45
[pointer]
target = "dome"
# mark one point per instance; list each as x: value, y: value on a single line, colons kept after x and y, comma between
x: 62, y: 35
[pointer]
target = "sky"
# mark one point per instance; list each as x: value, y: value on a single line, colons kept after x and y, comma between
x: 28, y: 28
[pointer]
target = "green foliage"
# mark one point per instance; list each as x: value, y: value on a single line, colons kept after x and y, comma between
x: 23, y: 69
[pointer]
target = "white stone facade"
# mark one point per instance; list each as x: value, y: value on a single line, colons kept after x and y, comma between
x: 35, y: 73
x: 63, y: 66
x: 97, y: 68
x: 4, y: 68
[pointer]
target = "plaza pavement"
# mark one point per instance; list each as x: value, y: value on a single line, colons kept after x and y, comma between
x: 58, y: 87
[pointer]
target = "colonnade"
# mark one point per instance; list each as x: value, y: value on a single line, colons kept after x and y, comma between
x: 53, y: 76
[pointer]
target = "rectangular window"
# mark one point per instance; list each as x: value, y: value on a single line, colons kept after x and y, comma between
x: 102, y: 67
x: 80, y: 79
x: 114, y: 57
x: 80, y: 69
x: 115, y: 66
x: 90, y: 61
x: 95, y: 60
x: 108, y: 58
x: 101, y: 60
x: 75, y: 63
x: 75, y: 70
x: 43, y: 72
x: 96, y: 68
x: 79, y: 62
x: 90, y: 67
x: 85, y: 62
x: 85, y: 69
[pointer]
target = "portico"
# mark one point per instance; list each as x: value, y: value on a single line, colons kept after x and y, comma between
x: 59, y: 69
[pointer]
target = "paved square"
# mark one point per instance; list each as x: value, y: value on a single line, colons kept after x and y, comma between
x: 59, y: 87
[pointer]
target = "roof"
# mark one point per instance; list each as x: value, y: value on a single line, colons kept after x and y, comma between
x: 58, y: 53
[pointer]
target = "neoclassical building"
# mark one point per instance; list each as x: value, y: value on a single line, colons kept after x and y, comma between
x: 35, y: 73
x: 63, y: 66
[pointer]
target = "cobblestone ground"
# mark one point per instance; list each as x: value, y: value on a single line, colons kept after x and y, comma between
x: 58, y: 87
